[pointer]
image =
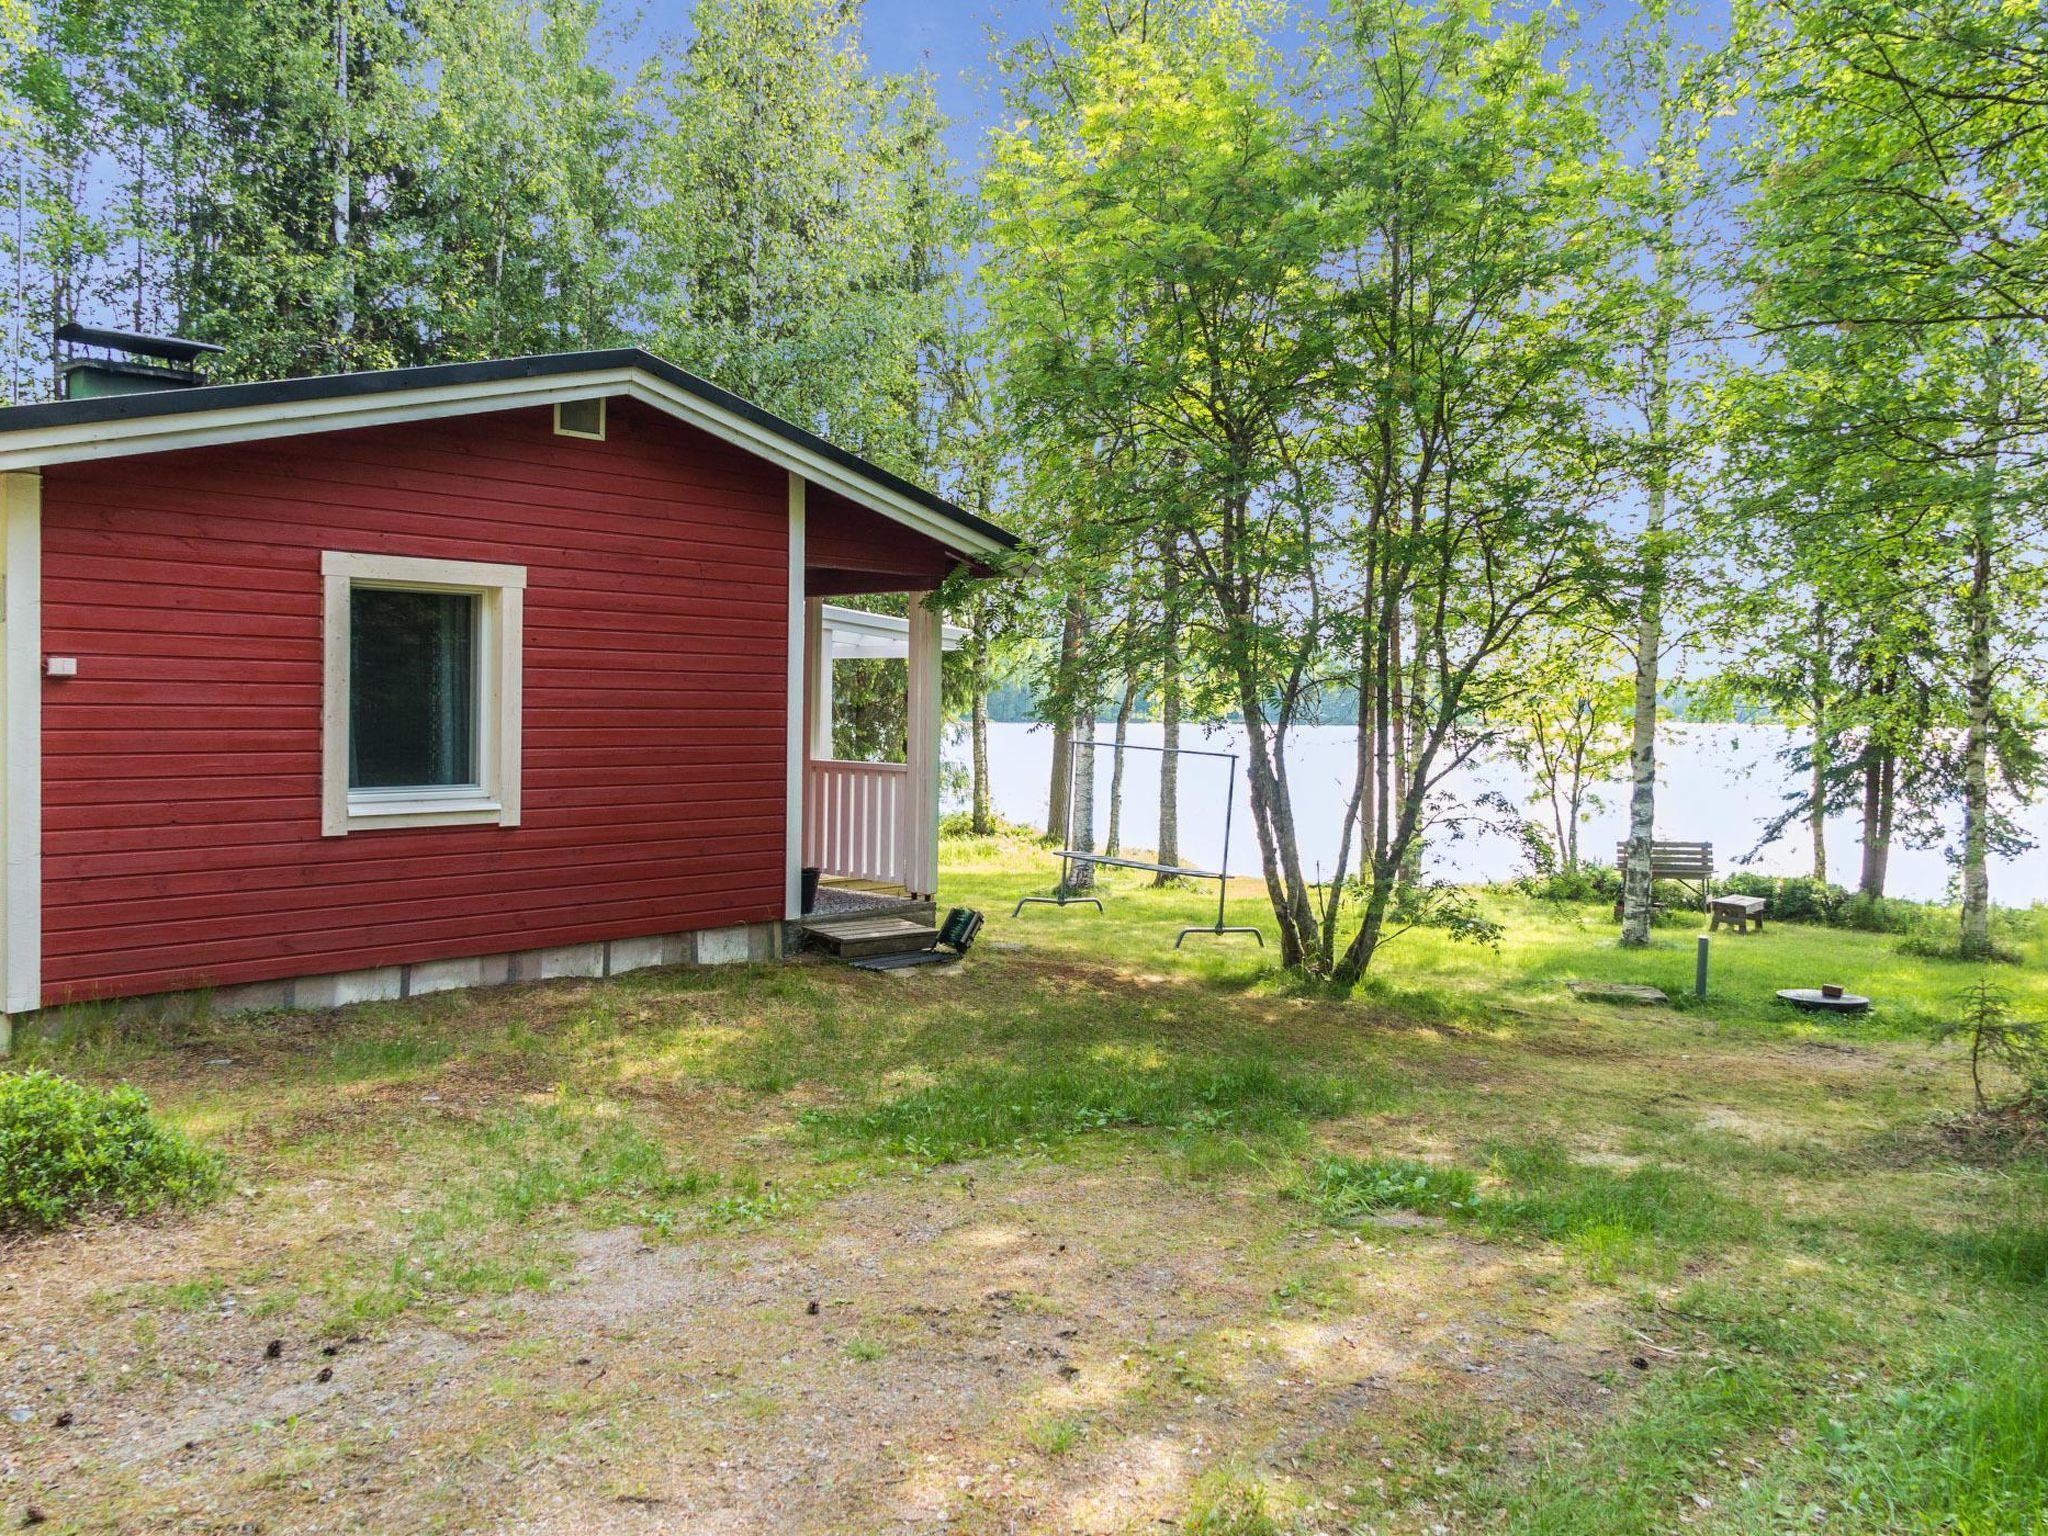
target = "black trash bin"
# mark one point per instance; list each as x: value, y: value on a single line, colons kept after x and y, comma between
x: 807, y: 891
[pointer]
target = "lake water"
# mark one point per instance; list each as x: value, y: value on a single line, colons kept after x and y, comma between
x: 1721, y: 784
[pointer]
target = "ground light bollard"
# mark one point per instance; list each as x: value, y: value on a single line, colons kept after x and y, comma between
x: 1699, y: 971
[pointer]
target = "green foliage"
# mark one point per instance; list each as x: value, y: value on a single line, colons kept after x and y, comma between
x: 1228, y: 1505
x: 474, y: 178
x: 1797, y: 899
x: 1053, y: 1438
x: 1339, y: 361
x: 1984, y: 1020
x: 1615, y: 1217
x: 976, y: 1112
x: 1568, y: 730
x: 799, y: 237
x: 1617, y: 1221
x: 1343, y: 1188
x: 1885, y: 450
x: 1803, y: 899
x: 1961, y: 1447
x: 1589, y: 882
x: 68, y: 1149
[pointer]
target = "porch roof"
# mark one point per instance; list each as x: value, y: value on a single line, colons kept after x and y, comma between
x: 857, y: 634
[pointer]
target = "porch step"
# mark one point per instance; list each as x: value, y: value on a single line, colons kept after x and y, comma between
x: 853, y: 938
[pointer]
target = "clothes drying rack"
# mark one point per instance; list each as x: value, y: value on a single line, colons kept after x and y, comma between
x: 1070, y: 856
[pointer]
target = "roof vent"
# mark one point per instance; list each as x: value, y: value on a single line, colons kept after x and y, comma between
x: 146, y: 362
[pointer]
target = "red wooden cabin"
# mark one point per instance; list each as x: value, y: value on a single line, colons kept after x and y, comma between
x: 352, y: 687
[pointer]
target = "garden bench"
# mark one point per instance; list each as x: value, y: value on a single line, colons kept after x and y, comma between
x: 1689, y: 864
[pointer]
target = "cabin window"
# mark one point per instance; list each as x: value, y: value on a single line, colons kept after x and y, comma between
x: 412, y: 693
x: 422, y: 719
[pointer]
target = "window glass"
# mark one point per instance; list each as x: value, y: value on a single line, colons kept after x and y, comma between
x: 412, y: 689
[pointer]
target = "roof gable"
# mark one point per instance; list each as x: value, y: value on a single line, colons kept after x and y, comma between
x: 67, y: 431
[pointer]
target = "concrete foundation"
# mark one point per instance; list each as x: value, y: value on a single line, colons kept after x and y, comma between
x: 739, y: 944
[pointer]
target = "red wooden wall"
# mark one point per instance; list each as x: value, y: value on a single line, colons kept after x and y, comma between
x: 181, y: 779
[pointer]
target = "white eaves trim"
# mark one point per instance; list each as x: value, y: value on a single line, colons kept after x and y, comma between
x: 38, y: 447
x: 857, y: 634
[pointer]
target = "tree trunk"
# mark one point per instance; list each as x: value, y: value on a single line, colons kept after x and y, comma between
x: 1636, y: 890
x: 1112, y: 842
x: 1637, y: 893
x: 1879, y: 766
x: 981, y: 806
x: 1415, y: 718
x: 1273, y: 821
x: 1169, y: 760
x: 1976, y: 934
x: 1358, y: 956
x: 1822, y: 759
x: 1382, y: 732
x: 1367, y: 714
x: 1081, y: 877
x: 1059, y: 808
x: 1575, y: 802
x: 1169, y: 709
x: 1397, y: 723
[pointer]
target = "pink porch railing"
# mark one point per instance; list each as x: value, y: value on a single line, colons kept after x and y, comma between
x: 854, y: 820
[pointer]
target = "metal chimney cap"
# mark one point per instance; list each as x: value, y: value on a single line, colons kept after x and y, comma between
x: 176, y: 349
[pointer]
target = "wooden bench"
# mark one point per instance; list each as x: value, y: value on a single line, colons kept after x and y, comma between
x: 1738, y: 910
x: 1689, y: 864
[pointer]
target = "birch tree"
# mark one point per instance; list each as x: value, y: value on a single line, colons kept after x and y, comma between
x: 1897, y: 269
x: 1660, y: 82
x: 1256, y: 325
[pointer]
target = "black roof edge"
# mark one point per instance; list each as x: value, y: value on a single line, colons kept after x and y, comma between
x: 177, y: 348
x: 336, y: 386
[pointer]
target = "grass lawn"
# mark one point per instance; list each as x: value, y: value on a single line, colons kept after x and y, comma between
x: 1085, y: 1234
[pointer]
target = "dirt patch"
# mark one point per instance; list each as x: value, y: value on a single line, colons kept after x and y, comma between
x: 884, y: 1363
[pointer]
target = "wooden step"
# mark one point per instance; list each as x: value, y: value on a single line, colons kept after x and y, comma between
x: 858, y: 937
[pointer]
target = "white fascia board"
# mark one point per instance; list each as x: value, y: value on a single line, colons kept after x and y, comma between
x: 857, y: 633
x: 70, y: 444
x: 39, y: 447
x: 814, y: 467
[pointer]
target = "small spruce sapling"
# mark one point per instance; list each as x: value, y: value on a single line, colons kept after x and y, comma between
x: 1994, y: 1034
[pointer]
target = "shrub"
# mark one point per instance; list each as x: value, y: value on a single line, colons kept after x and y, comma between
x: 955, y: 825
x: 1589, y: 882
x: 67, y: 1148
x: 1792, y: 899
x: 1878, y: 914
x: 1945, y: 945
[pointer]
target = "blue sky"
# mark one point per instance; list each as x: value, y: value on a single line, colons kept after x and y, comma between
x: 951, y: 38
x: 955, y: 40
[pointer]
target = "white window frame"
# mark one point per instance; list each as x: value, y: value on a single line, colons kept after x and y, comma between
x: 567, y: 431
x: 501, y: 618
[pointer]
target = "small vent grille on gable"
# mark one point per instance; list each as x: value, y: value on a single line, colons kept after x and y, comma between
x: 580, y: 418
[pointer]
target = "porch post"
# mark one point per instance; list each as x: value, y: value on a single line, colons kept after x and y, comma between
x: 818, y: 645
x: 21, y: 747
x: 921, y: 777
